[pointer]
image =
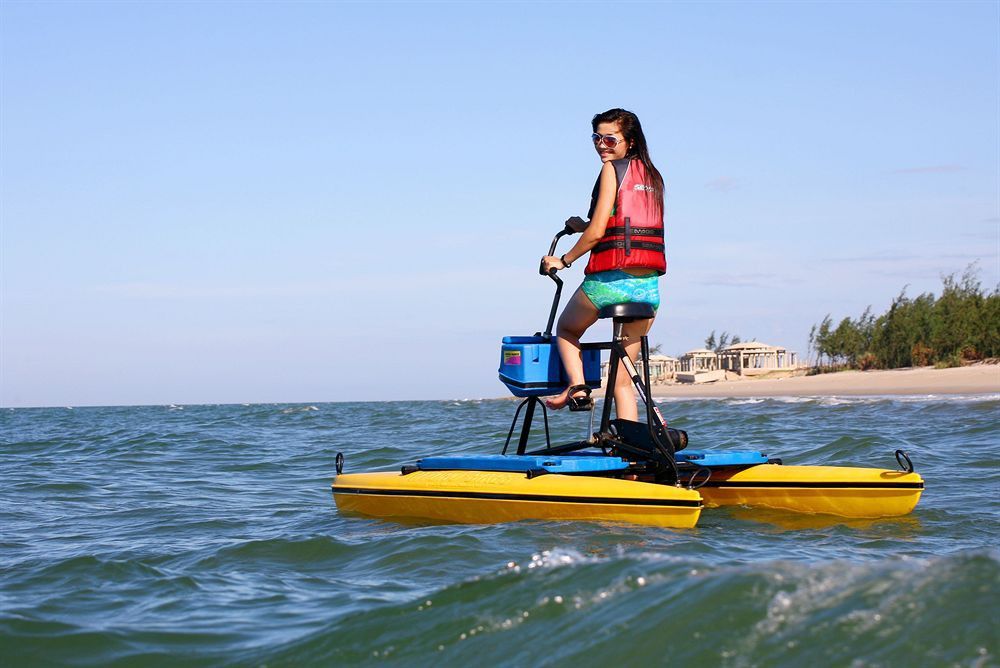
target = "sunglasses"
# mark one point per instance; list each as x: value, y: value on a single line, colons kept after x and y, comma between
x: 609, y: 141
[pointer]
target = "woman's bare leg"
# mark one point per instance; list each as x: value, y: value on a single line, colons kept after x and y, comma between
x: 579, y: 314
x: 625, y: 407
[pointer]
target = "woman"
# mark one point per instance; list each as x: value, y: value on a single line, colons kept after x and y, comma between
x: 624, y: 237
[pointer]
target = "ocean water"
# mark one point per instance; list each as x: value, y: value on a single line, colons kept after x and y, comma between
x: 207, y: 535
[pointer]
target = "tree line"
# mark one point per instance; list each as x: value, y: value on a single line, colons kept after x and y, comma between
x: 962, y: 324
x: 716, y: 345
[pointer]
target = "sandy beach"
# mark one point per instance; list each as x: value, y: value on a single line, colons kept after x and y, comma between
x: 976, y: 379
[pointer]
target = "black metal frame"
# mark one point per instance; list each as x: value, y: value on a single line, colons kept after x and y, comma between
x: 649, y: 446
x: 657, y: 451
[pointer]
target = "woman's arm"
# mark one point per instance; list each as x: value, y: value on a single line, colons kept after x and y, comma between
x: 598, y: 222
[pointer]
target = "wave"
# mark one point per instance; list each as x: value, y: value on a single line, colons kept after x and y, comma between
x: 566, y: 608
x: 299, y: 409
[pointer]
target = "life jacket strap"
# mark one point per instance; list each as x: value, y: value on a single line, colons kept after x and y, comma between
x: 636, y: 245
x: 616, y: 230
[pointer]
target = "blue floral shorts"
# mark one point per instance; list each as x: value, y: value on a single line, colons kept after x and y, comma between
x: 618, y: 287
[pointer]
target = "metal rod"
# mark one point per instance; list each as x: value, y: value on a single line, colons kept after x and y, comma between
x: 590, y: 428
x: 637, y: 381
x: 559, y: 283
x: 545, y: 419
x: 651, y: 406
x: 512, y: 425
x: 609, y: 392
x: 555, y: 304
x: 644, y: 351
x: 526, y: 428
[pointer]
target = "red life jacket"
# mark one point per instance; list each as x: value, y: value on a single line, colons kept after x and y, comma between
x: 633, y: 238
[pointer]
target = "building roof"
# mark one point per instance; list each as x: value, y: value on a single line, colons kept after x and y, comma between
x: 700, y: 352
x: 751, y: 345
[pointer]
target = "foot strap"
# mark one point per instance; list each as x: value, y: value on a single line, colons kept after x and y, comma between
x: 584, y: 403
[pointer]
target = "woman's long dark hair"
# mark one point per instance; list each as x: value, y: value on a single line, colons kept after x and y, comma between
x: 632, y: 130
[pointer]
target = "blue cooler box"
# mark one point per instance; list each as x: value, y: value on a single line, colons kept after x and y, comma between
x: 530, y: 366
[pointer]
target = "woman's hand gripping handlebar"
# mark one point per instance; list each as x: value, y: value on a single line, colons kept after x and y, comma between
x: 550, y: 263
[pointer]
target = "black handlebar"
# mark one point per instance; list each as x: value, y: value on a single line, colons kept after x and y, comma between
x: 552, y: 249
x: 551, y: 273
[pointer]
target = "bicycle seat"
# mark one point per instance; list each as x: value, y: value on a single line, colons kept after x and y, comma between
x: 627, y: 312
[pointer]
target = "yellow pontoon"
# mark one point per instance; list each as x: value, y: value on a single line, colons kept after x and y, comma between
x: 485, y: 497
x: 830, y: 490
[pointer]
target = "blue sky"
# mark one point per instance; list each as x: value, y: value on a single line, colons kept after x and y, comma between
x: 246, y: 202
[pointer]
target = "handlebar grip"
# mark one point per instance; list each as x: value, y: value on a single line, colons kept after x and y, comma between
x: 568, y: 230
x: 550, y: 272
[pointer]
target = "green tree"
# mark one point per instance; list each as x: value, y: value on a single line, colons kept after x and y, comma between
x: 822, y: 340
x: 962, y: 324
x: 991, y: 324
x: 956, y: 328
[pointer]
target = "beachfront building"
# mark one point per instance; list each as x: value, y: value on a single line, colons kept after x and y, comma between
x: 702, y: 365
x: 699, y: 366
x: 700, y: 359
x: 662, y: 369
x: 753, y: 358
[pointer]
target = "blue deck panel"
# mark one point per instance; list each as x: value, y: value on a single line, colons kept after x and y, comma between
x: 581, y: 463
x: 710, y: 458
x: 523, y: 463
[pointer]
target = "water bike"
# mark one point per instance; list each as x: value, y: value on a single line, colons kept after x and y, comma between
x: 624, y: 471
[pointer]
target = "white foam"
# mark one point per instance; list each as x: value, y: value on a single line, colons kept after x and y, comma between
x: 299, y: 409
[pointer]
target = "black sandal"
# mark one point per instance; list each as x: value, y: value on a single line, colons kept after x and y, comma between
x: 584, y: 403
